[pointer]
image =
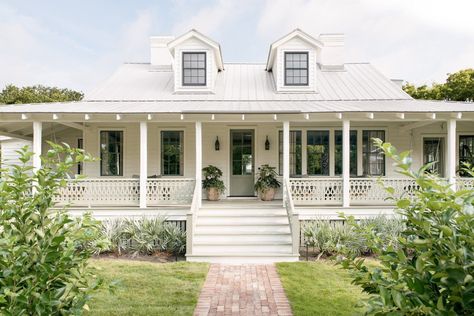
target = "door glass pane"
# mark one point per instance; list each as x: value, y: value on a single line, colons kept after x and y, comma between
x: 111, y: 145
x: 318, y: 152
x: 172, y: 153
x: 372, y: 157
x: 242, y: 153
x: 295, y: 153
x: 433, y: 149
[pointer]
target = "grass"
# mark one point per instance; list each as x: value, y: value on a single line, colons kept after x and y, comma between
x: 148, y: 288
x: 319, y: 288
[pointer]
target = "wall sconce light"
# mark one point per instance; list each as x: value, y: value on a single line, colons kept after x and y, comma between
x: 217, y: 145
x: 267, y: 144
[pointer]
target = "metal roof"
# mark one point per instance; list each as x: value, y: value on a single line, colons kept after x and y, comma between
x: 275, y: 106
x: 247, y: 82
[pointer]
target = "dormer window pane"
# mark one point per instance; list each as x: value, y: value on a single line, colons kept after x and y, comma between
x: 194, y: 69
x: 296, y: 68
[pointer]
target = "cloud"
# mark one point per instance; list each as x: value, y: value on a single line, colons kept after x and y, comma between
x: 415, y: 40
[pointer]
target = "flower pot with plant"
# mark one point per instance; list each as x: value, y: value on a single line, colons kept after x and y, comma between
x: 212, y: 182
x: 267, y: 183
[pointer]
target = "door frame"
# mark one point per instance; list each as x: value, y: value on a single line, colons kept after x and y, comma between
x: 254, y: 139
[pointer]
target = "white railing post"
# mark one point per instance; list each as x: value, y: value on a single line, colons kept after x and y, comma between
x: 37, y: 140
x: 286, y: 158
x: 143, y: 163
x: 346, y: 163
x: 199, y: 161
x: 451, y: 153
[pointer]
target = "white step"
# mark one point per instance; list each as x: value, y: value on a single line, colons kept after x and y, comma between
x: 229, y: 239
x: 242, y: 230
x: 244, y: 258
x: 242, y: 212
x: 237, y: 248
x: 241, y: 220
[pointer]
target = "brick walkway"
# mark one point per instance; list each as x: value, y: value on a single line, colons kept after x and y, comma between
x: 242, y: 290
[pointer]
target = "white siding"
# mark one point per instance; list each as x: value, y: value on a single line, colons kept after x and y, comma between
x: 9, y: 148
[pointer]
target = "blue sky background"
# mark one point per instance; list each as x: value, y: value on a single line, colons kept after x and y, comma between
x: 77, y: 44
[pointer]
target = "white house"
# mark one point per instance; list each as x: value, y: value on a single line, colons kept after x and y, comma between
x: 305, y: 111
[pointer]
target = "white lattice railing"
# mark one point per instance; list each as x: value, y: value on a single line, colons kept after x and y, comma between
x: 293, y: 218
x: 369, y: 191
x: 465, y: 183
x: 98, y: 192
x: 324, y: 191
x: 170, y: 191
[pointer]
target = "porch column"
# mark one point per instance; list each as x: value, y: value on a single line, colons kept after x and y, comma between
x: 143, y: 163
x: 346, y: 126
x: 199, y: 162
x: 37, y: 140
x: 286, y: 155
x: 451, y: 153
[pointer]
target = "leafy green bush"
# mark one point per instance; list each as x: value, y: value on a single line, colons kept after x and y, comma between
x: 43, y: 253
x: 431, y: 272
x: 212, y: 178
x: 267, y: 178
x: 338, y: 238
x: 143, y: 236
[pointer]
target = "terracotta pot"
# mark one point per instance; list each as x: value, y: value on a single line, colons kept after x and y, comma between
x: 213, y: 194
x: 267, y: 195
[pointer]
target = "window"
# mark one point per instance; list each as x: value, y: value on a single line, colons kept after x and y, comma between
x: 318, y: 153
x: 172, y: 153
x: 338, y: 152
x: 373, y: 159
x: 296, y: 68
x: 433, y: 149
x: 194, y: 69
x: 295, y: 152
x: 111, y: 153
x: 80, y: 145
x: 466, y: 153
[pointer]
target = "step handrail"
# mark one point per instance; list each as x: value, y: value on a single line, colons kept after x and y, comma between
x: 191, y: 219
x: 293, y: 217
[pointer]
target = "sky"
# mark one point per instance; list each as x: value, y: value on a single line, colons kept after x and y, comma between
x: 77, y: 44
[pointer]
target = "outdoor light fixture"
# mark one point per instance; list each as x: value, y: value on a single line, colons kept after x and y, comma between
x: 267, y: 144
x: 217, y: 145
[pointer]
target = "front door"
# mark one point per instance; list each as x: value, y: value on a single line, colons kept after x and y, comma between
x: 241, y: 163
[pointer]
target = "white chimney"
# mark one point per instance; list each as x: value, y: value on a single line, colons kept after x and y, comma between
x: 159, y: 52
x: 332, y: 54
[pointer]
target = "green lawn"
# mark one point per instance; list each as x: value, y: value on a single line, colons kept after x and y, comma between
x: 319, y: 288
x: 148, y: 288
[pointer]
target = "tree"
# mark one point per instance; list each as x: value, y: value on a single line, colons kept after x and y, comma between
x: 37, y: 94
x: 459, y: 86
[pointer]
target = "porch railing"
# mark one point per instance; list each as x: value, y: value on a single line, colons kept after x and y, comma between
x: 465, y: 183
x: 325, y: 191
x: 125, y: 192
x: 370, y: 191
x: 170, y: 191
x: 292, y: 217
x: 191, y: 219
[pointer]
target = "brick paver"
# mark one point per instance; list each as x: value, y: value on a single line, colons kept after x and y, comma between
x: 242, y: 290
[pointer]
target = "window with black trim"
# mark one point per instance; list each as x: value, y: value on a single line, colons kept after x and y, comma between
x: 295, y: 153
x: 317, y: 153
x: 172, y: 153
x: 296, y: 68
x: 352, y: 154
x: 111, y: 153
x: 466, y: 153
x: 433, y: 152
x: 373, y: 159
x: 80, y: 145
x: 194, y: 68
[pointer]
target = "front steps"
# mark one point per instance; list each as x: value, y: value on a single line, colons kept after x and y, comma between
x: 243, y: 234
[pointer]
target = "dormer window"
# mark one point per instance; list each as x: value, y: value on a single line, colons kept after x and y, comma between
x: 296, y: 68
x: 194, y: 69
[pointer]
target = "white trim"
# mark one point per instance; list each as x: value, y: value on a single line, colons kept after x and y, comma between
x: 451, y: 152
x: 346, y: 147
x: 143, y: 163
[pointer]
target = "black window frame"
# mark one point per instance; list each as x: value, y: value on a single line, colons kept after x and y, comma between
x: 181, y: 154
x: 296, y: 165
x: 80, y: 145
x: 369, y: 149
x: 193, y: 68
x: 461, y: 151
x: 353, y: 134
x: 120, y: 153
x: 293, y: 68
x: 325, y: 169
x: 438, y: 167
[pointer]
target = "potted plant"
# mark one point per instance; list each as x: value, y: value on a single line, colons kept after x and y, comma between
x: 212, y: 182
x: 267, y: 182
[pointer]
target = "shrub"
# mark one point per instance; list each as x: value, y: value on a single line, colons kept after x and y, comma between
x: 267, y: 178
x: 43, y: 253
x: 212, y: 178
x: 143, y: 236
x: 431, y: 272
